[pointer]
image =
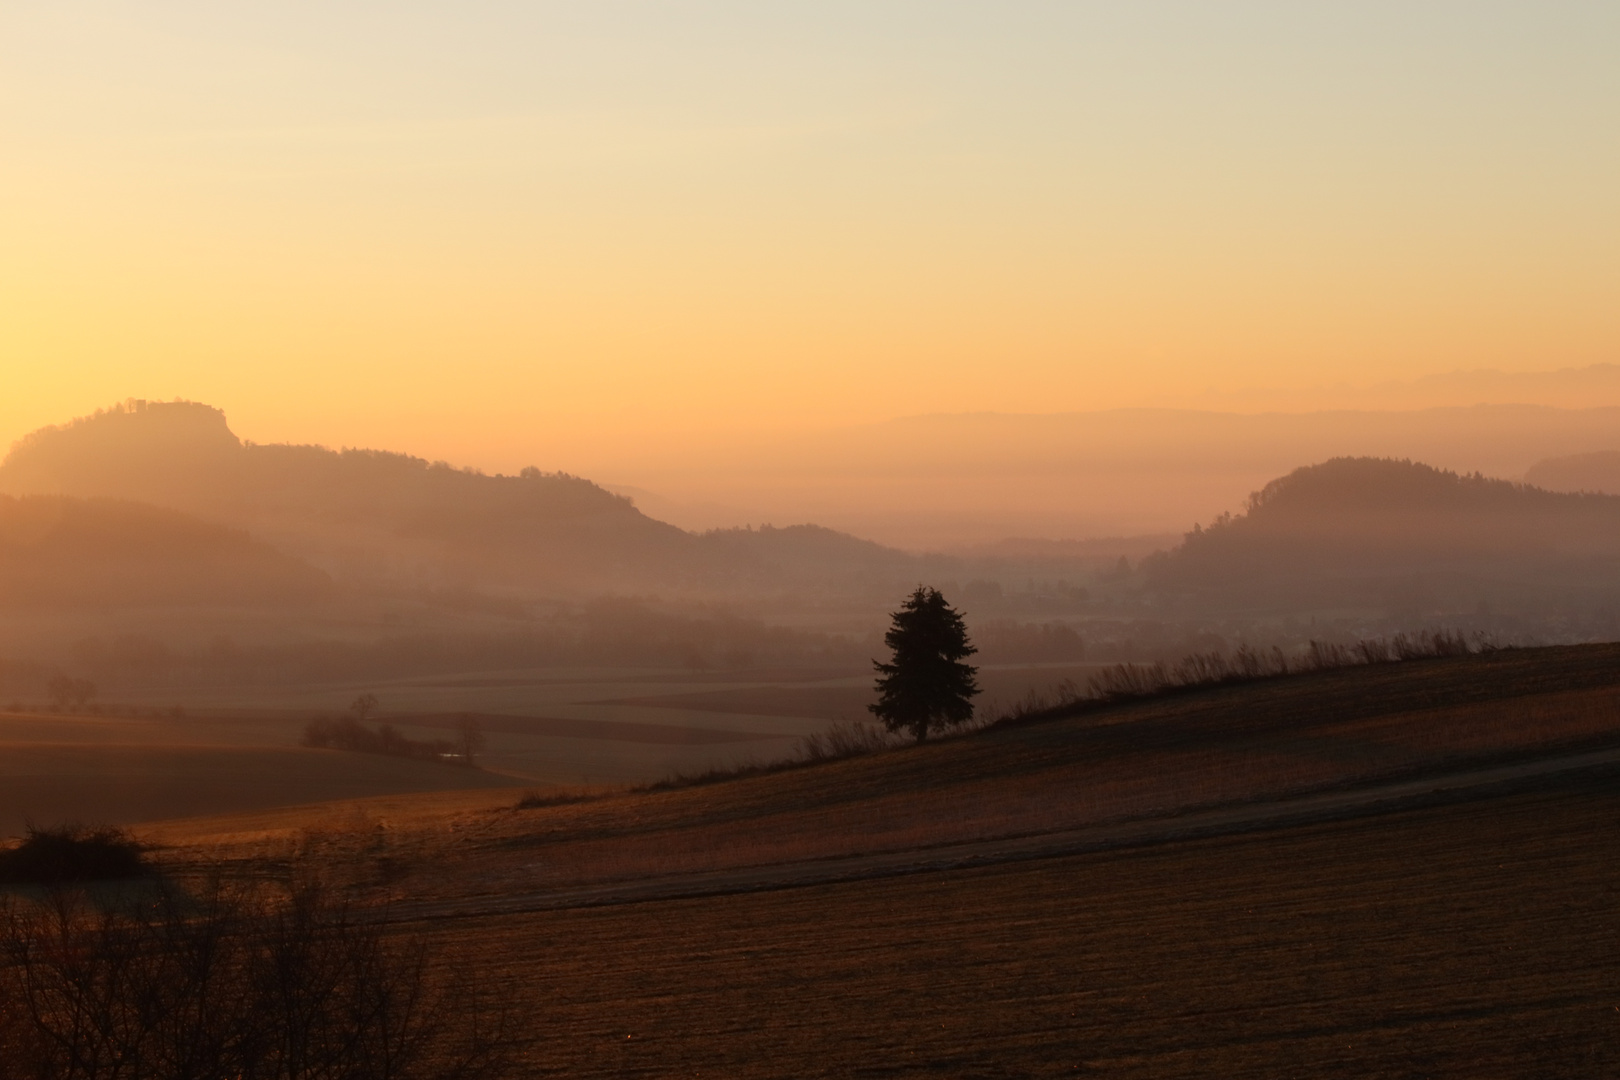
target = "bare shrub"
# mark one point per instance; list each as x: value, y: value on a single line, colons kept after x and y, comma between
x: 844, y: 741
x: 1327, y: 656
x: 347, y: 733
x: 841, y: 740
x: 69, y: 853
x: 538, y: 800
x: 1036, y: 702
x: 1376, y: 651
x: 1430, y: 643
x: 231, y: 984
x: 1128, y: 682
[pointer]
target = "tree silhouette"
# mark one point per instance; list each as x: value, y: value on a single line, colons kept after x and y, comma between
x: 70, y: 693
x: 926, y: 686
x: 469, y: 737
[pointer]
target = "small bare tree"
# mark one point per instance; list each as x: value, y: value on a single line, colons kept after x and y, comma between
x: 67, y: 692
x: 470, y: 740
x: 364, y: 705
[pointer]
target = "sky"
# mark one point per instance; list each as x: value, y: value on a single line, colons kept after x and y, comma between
x: 556, y: 233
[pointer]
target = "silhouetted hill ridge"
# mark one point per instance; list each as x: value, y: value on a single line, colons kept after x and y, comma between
x: 1350, y: 527
x: 380, y: 513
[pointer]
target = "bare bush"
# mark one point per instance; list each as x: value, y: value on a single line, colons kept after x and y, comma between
x: 1376, y: 651
x: 347, y: 733
x: 539, y: 800
x: 841, y: 740
x: 70, y: 693
x: 70, y: 853
x: 1127, y: 682
x: 844, y: 741
x: 230, y: 984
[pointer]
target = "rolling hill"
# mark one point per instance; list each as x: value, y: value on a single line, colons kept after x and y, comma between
x: 1396, y: 870
x: 382, y: 517
x: 1370, y: 532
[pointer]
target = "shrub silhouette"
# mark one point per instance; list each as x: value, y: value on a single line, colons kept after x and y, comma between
x: 1131, y: 682
x: 231, y: 984
x: 70, y: 853
x: 347, y: 733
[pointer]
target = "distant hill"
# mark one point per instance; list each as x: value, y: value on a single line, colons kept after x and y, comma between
x: 953, y: 482
x: 59, y: 552
x: 1596, y: 472
x: 368, y: 514
x: 1398, y: 534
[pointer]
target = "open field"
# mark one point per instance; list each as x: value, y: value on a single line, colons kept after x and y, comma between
x: 104, y: 785
x: 1476, y: 941
x: 846, y: 699
x: 1477, y: 935
x: 1136, y: 761
x: 236, y: 748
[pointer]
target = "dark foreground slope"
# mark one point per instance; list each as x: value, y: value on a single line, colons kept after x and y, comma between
x: 1475, y: 939
x: 1472, y: 941
x: 1472, y: 933
x: 1262, y: 745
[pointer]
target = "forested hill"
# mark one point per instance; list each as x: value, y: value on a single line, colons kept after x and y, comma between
x: 60, y: 552
x: 368, y: 513
x: 1354, y: 530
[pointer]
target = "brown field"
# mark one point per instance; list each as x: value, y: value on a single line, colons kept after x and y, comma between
x: 1478, y: 937
x: 1474, y: 941
x: 846, y: 699
x: 1146, y: 760
x: 236, y: 748
x: 49, y: 784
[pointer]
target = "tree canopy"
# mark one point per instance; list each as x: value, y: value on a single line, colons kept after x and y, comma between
x: 926, y: 686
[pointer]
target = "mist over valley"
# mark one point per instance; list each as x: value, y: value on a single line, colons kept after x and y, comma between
x: 150, y: 552
x: 916, y: 541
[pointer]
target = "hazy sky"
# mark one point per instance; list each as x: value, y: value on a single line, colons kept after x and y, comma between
x: 504, y: 232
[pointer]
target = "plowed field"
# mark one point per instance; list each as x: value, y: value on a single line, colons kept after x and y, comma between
x: 1477, y: 940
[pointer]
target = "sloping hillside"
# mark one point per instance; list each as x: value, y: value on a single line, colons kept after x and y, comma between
x: 1243, y: 745
x: 1596, y: 472
x: 1378, y: 532
x: 57, y: 551
x: 351, y: 509
x: 1050, y: 898
x: 375, y: 514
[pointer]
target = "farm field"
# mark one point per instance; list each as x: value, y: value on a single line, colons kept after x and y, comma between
x: 55, y: 784
x: 1476, y: 941
x: 1475, y: 935
x: 1131, y: 762
x: 236, y: 749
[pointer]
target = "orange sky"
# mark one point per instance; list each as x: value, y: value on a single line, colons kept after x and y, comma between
x: 556, y: 236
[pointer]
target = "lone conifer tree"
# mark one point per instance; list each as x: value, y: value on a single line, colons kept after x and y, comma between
x: 926, y: 686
